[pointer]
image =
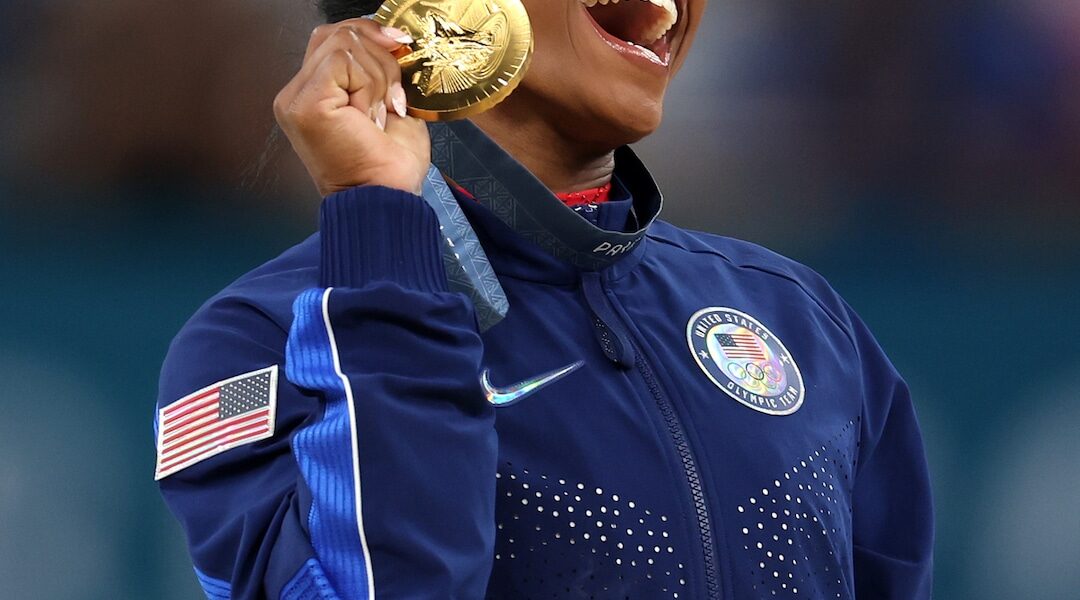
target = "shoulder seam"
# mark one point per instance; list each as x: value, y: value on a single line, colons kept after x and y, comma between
x: 836, y: 320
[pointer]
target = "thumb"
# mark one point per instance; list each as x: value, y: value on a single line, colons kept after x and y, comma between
x: 411, y: 134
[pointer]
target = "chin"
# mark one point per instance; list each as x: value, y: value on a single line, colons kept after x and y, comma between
x: 600, y: 125
x: 627, y: 123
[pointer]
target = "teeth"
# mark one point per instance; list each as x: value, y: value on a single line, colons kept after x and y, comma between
x: 657, y: 29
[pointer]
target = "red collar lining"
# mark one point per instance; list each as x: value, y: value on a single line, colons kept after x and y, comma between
x: 591, y: 196
x: 571, y: 199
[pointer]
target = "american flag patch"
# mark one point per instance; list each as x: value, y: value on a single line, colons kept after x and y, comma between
x: 222, y: 416
x: 740, y: 345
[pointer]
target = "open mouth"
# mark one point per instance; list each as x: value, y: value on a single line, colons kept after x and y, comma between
x: 646, y: 26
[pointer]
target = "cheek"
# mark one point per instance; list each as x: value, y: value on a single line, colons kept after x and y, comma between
x: 556, y: 64
x: 549, y: 21
x: 548, y: 76
x: 551, y: 36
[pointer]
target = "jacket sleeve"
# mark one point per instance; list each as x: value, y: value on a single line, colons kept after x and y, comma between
x: 892, y: 520
x: 379, y: 478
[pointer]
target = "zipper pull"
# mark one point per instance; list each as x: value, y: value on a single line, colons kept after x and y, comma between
x: 614, y: 340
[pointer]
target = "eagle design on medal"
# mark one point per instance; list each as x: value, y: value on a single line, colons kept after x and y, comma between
x: 460, y: 46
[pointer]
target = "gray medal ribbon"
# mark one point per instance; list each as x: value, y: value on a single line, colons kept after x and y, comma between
x: 468, y: 269
x: 463, y: 153
x: 467, y: 156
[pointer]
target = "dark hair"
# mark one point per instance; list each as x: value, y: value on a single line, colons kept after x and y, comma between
x: 339, y: 10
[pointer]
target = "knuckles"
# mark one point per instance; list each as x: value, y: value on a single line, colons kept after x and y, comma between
x: 326, y: 29
x: 304, y: 109
x: 289, y: 112
x: 346, y: 35
x: 282, y: 106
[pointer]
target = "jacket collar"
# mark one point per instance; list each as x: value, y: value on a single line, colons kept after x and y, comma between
x: 513, y: 195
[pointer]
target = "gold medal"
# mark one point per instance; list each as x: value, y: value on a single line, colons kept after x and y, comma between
x: 468, y: 56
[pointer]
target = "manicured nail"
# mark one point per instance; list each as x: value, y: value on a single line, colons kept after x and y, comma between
x: 397, y: 96
x: 380, y: 116
x: 397, y: 35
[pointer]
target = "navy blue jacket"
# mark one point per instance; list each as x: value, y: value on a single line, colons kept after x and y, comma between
x: 733, y: 430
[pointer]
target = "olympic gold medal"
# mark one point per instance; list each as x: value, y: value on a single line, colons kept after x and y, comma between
x: 468, y: 56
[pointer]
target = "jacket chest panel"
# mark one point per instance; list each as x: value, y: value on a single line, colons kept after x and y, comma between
x: 590, y: 502
x: 779, y: 485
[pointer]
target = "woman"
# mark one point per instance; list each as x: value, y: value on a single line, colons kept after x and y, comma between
x: 704, y: 419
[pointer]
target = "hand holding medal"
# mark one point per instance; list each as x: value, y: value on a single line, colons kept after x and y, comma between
x: 352, y: 112
x: 344, y: 111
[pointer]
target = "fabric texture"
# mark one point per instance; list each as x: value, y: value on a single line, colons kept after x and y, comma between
x: 735, y: 431
x: 215, y: 589
x: 310, y: 583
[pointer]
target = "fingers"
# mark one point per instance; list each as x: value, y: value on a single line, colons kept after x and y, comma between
x: 382, y: 73
x: 395, y: 94
x: 370, y: 45
x: 344, y: 111
x: 412, y: 133
x: 337, y: 82
x: 387, y: 37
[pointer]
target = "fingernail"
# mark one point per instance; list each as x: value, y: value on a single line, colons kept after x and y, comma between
x: 397, y: 96
x: 397, y: 35
x: 380, y: 118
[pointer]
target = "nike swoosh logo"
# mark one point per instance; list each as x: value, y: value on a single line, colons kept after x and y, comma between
x: 505, y: 396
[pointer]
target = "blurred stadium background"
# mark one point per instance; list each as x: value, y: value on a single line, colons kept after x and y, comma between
x: 924, y: 156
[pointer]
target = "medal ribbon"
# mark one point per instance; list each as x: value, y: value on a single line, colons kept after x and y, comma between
x: 467, y: 156
x: 468, y: 269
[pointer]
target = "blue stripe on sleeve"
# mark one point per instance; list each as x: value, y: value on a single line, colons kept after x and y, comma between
x: 326, y: 451
x: 309, y: 583
x: 215, y: 589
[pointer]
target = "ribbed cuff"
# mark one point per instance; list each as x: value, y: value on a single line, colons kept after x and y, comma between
x: 375, y: 233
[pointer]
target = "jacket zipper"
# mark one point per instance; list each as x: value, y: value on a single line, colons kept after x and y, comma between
x: 613, y: 339
x: 609, y: 331
x: 686, y: 455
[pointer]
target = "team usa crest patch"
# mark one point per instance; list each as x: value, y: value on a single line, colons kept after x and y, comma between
x: 743, y: 358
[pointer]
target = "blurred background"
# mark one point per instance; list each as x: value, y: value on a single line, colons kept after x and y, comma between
x: 924, y: 156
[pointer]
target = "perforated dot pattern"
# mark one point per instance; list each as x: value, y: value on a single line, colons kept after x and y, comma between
x: 558, y: 538
x: 796, y: 527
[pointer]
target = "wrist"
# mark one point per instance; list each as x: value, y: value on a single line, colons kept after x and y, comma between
x: 415, y: 188
x: 373, y: 232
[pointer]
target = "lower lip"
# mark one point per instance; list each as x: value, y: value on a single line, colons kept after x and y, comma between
x: 626, y: 48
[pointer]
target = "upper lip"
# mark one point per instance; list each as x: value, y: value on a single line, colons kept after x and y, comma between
x: 671, y: 35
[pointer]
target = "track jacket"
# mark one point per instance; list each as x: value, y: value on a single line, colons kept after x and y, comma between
x: 661, y: 414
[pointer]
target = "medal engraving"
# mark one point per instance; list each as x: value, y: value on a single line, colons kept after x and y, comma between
x: 468, y: 56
